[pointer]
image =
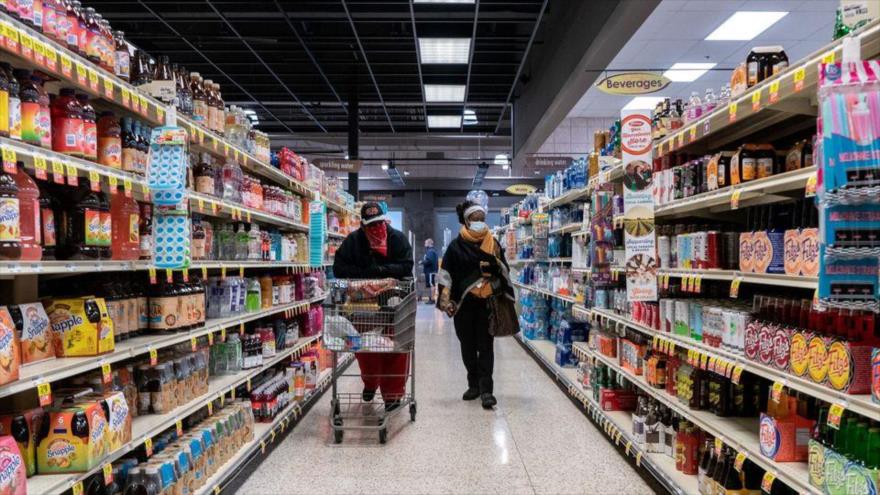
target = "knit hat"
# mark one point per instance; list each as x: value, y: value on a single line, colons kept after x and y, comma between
x: 371, y: 212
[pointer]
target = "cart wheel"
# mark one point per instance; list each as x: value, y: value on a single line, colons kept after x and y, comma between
x: 412, y: 411
x: 383, y: 436
x: 337, y: 436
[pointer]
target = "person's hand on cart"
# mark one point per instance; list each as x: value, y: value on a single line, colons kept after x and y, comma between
x: 449, y: 309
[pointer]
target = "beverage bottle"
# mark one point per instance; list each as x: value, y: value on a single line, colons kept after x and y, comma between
x: 14, y: 102
x: 145, y: 230
x: 49, y: 20
x: 198, y: 238
x: 10, y: 218
x: 92, y: 34
x: 109, y: 140
x: 163, y: 81
x: 26, y: 11
x: 82, y: 28
x: 873, y: 448
x: 4, y: 103
x: 90, y: 128
x: 39, y: 14
x: 695, y: 107
x: 211, y: 102
x: 143, y: 146
x: 72, y: 25
x: 67, y: 124
x: 200, y: 100
x: 184, y: 94
x: 141, y: 73
x: 241, y: 245
x: 221, y: 114
x: 125, y: 216
x: 709, y: 101
x: 61, y: 26
x: 104, y: 45
x: 30, y: 107
x: 204, y: 175
x: 129, y: 146
x: 48, y: 206
x: 44, y: 119
x: 255, y: 243
x: 12, y: 8
x: 121, y: 56
x: 29, y: 214
x: 106, y: 232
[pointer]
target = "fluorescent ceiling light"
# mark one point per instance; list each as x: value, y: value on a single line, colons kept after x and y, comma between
x: 445, y: 50
x: 248, y: 111
x: 643, y: 102
x: 687, y: 72
x: 384, y: 166
x: 444, y: 93
x: 406, y: 172
x: 470, y: 117
x: 745, y: 25
x: 443, y: 1
x: 444, y: 121
x: 501, y: 159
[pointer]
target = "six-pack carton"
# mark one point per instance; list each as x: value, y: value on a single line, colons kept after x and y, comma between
x: 81, y: 326
x: 74, y: 439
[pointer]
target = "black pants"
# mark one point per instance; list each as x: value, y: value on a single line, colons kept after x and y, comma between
x: 477, y: 346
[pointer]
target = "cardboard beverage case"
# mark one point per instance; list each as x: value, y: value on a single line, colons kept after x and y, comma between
x: 785, y: 440
x: 26, y: 440
x: 10, y: 350
x: 849, y: 367
x: 118, y: 418
x: 81, y: 326
x: 617, y: 400
x: 875, y: 375
x: 34, y: 332
x: 799, y: 353
x: 75, y: 440
x: 13, y: 479
x: 834, y: 474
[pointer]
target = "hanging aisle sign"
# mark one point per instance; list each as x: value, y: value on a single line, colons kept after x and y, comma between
x: 317, y: 232
x: 633, y: 83
x: 638, y: 205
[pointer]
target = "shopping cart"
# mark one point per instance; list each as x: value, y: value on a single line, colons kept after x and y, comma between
x: 370, y: 316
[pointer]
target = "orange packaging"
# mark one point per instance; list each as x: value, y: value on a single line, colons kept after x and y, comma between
x: 607, y: 345
x: 32, y: 420
x: 34, y: 332
x: 10, y: 350
x: 792, y: 255
x: 849, y: 367
x: 13, y: 479
x: 799, y: 352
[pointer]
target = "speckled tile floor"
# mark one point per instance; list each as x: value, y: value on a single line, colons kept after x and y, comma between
x: 534, y: 442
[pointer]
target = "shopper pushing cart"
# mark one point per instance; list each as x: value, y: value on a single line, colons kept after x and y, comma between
x: 378, y: 252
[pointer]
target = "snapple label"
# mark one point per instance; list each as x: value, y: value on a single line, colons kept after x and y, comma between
x: 799, y: 354
x: 781, y: 348
x: 818, y: 360
x: 835, y: 473
x: 751, y: 340
x: 839, y: 366
x: 765, y: 343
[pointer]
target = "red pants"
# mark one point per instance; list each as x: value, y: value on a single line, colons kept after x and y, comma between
x: 384, y: 371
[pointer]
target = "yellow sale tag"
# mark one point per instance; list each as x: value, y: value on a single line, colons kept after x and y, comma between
x: 734, y: 199
x: 57, y: 171
x: 232, y: 394
x: 835, y: 414
x: 114, y: 182
x: 93, y: 79
x: 179, y: 426
x: 697, y: 282
x: 627, y: 447
x: 719, y: 444
x: 126, y: 97
x: 776, y: 391
x: 262, y: 447
x: 739, y: 461
x: 169, y: 275
x: 737, y: 373
x: 143, y: 103
x: 204, y: 272
x: 693, y: 133
x: 44, y: 392
x: 160, y: 114
x: 223, y: 272
x: 713, y: 361
x: 799, y: 75
x: 639, y: 459
x: 210, y: 338
x: 704, y: 361
x: 671, y: 348
x: 40, y: 167
x: 108, y: 473
x: 108, y: 88
x: 194, y: 343
x: 656, y: 343
x: 774, y: 92
x: 77, y: 488
x: 241, y: 328
x: 731, y: 111
x: 756, y: 100
x: 72, y: 175
x: 241, y: 271
x: 106, y: 373
x: 66, y: 65
x: 148, y: 446
x: 9, y: 159
x: 680, y: 139
x: 248, y: 381
x: 734, y: 287
x: 210, y: 407
x: 216, y: 490
x: 126, y: 186
x: 828, y: 58
x: 225, y: 149
x: 154, y: 357
x: 81, y: 76
x: 767, y: 481
x: 222, y: 399
x: 27, y: 46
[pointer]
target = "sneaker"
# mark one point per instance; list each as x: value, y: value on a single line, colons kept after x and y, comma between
x: 488, y: 400
x: 471, y: 393
x: 368, y: 395
x: 392, y: 405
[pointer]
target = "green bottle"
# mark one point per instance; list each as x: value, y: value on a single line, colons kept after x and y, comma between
x: 841, y: 436
x: 873, y: 448
x: 859, y: 446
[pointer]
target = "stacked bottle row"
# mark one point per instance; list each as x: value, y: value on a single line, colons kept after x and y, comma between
x: 554, y: 278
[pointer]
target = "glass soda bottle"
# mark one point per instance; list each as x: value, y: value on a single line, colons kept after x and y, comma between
x: 29, y: 215
x: 125, y: 219
x: 122, y: 57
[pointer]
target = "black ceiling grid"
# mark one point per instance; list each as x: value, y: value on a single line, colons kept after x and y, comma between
x: 308, y: 52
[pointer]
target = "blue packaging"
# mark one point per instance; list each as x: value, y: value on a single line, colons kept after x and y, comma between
x: 852, y: 226
x: 848, y: 280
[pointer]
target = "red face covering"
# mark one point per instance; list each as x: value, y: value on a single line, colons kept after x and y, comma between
x: 377, y: 234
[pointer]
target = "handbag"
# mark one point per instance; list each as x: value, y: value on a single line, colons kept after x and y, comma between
x: 503, y: 321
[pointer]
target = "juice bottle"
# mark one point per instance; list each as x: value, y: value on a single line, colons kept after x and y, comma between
x: 92, y: 34
x: 48, y: 205
x: 122, y: 57
x: 125, y: 216
x: 10, y: 234
x: 30, y: 107
x: 44, y: 119
x: 90, y: 128
x: 198, y: 238
x: 129, y: 146
x: 29, y: 214
x: 184, y: 95
x: 80, y: 232
x: 145, y: 230
x: 12, y: 8
x: 82, y: 28
x: 39, y: 16
x: 200, y: 99
x: 67, y: 124
x: 4, y: 103
x: 26, y: 11
x: 109, y: 140
x: 211, y: 101
x: 221, y: 114
x: 49, y: 20
x: 106, y: 233
x: 72, y: 25
x: 14, y: 102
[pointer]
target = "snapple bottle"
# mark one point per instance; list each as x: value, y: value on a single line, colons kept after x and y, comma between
x: 10, y: 237
x: 48, y: 205
x: 29, y: 214
x: 109, y: 140
x: 80, y: 235
x: 4, y: 103
x: 67, y: 124
x: 125, y: 217
x: 30, y: 107
x: 90, y: 128
x: 44, y: 119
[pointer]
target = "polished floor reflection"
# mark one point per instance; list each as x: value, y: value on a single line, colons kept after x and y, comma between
x: 535, y: 441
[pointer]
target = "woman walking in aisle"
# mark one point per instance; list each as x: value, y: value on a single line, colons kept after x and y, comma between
x: 474, y: 269
x: 377, y: 250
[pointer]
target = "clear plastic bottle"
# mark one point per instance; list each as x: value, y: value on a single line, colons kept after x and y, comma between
x: 29, y: 215
x: 255, y: 243
x: 225, y: 248
x: 232, y: 181
x: 695, y: 107
x: 241, y: 243
x: 709, y: 101
x: 724, y: 97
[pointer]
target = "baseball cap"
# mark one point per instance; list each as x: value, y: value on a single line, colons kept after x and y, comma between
x: 371, y: 212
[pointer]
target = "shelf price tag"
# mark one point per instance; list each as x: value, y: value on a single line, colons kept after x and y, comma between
x: 767, y: 481
x: 798, y: 77
x: 241, y: 271
x: 106, y: 373
x: 774, y: 92
x: 731, y: 111
x: 9, y: 160
x: 126, y: 97
x: 241, y: 328
x: 680, y: 139
x: 210, y: 407
x: 94, y: 181
x: 697, y: 282
x: 248, y: 382
x: 810, y: 188
x: 262, y: 447
x: 686, y: 283
x: 666, y: 281
x: 835, y: 413
x: 776, y: 391
x: 108, y: 88
x: 27, y: 46
x: 671, y: 348
x: 737, y: 374
x: 39, y: 52
x: 656, y: 343
x: 114, y: 183
x: 108, y: 473
x: 828, y: 58
x: 179, y: 426
x: 719, y: 444
x: 143, y: 101
x: 222, y: 399
x: 639, y: 459
x: 194, y: 343
x: 204, y: 272
x: 704, y: 361
x: 93, y: 79
x: 692, y: 132
x: 160, y: 114
x: 223, y: 272
x: 44, y: 392
x: 148, y: 446
x: 225, y: 149
x: 40, y: 167
x: 72, y: 175
x: 210, y: 338
x: 739, y: 461
x: 77, y: 488
x: 81, y: 75
x: 734, y: 287
x: 154, y: 357
x: 152, y: 274
x: 169, y: 275
x: 756, y: 100
x: 185, y: 273
x: 713, y: 363
x: 734, y: 199
x: 126, y: 186
x: 66, y: 66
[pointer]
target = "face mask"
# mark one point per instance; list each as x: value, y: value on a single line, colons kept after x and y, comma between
x: 478, y: 226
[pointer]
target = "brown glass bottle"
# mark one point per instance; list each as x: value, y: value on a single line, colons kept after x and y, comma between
x: 80, y: 233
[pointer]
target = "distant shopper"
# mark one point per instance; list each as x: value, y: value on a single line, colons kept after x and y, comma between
x: 377, y: 250
x: 473, y: 270
x: 429, y: 266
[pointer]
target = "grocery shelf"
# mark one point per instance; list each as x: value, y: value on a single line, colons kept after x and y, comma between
x: 566, y: 259
x: 753, y: 111
x: 568, y: 228
x: 580, y: 193
x: 759, y: 191
x: 738, y: 433
x: 745, y: 277
x: 72, y: 267
x: 545, y: 292
x: 580, y: 233
x: 336, y: 235
x: 143, y: 427
x: 616, y: 424
x: 204, y: 204
x: 861, y: 404
x: 338, y: 207
x: 53, y: 370
x: 265, y: 433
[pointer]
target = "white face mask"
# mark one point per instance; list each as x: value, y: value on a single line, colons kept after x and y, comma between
x: 478, y: 226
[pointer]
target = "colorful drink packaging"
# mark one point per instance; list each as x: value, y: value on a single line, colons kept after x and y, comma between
x: 73, y: 440
x: 817, y: 358
x: 799, y: 352
x: 34, y: 332
x: 13, y: 476
x: 24, y: 428
x: 118, y: 418
x: 10, y: 353
x: 875, y: 375
x: 81, y: 326
x: 849, y: 367
x: 784, y: 439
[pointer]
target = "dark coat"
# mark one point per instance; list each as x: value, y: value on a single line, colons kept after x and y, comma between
x: 355, y: 259
x: 430, y: 261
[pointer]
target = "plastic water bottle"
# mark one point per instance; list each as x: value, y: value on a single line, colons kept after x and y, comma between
x: 709, y: 101
x: 695, y: 107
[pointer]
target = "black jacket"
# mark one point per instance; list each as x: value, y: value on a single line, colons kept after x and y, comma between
x: 355, y: 259
x: 460, y: 271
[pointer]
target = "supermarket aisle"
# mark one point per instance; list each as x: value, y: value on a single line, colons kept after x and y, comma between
x: 535, y: 441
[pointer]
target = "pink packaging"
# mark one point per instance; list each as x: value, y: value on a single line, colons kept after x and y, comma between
x: 13, y: 475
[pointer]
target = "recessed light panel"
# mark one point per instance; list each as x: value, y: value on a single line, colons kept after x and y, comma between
x: 444, y: 93
x: 443, y: 1
x: 444, y: 121
x: 687, y: 72
x: 643, y: 102
x: 745, y: 25
x: 445, y: 50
